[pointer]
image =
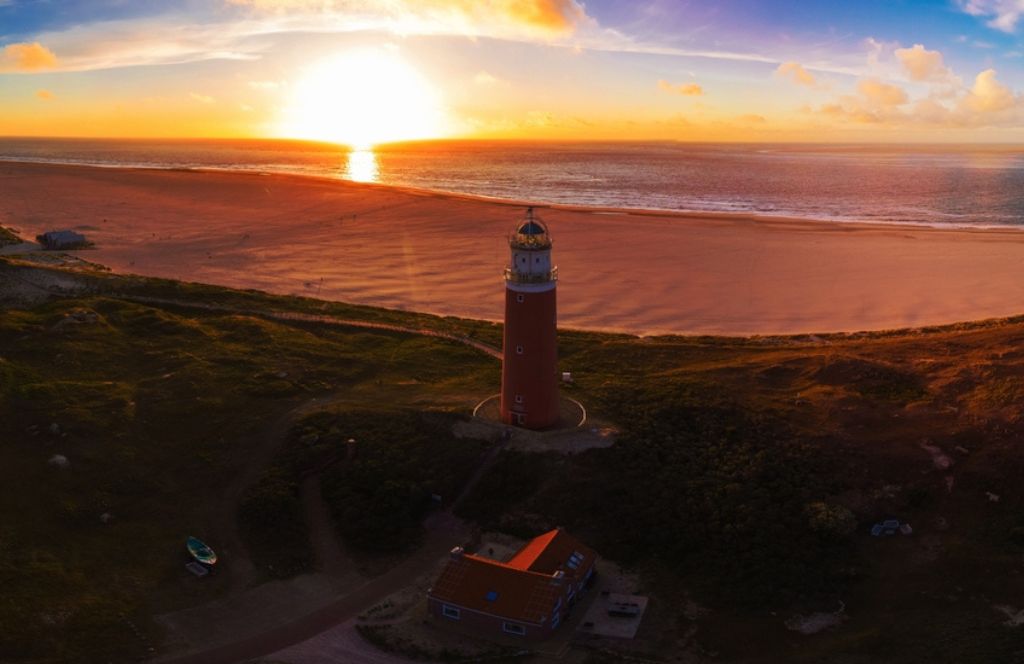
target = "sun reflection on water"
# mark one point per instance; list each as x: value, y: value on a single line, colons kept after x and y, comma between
x: 361, y: 166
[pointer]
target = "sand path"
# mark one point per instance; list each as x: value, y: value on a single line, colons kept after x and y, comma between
x: 635, y: 272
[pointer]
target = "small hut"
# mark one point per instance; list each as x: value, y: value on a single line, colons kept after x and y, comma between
x: 62, y: 240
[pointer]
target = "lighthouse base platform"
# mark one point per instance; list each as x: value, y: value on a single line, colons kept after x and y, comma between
x: 578, y: 431
x: 571, y: 413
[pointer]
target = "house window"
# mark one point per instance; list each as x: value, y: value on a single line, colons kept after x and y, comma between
x: 519, y: 398
x: 513, y: 628
x: 450, y: 612
x: 519, y: 350
x: 519, y: 297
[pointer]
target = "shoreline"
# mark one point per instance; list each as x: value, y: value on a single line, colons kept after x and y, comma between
x: 688, y: 214
x: 639, y: 272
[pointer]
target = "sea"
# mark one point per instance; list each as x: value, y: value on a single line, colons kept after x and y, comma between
x: 938, y: 185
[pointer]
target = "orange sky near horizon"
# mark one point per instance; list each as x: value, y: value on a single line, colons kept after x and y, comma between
x: 362, y: 73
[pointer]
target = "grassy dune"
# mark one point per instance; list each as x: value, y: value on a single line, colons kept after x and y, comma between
x: 746, y: 476
x: 156, y: 412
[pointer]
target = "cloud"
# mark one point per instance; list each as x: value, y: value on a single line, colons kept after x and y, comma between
x: 943, y: 99
x: 881, y: 95
x: 685, y: 89
x: 1001, y: 14
x: 989, y: 95
x: 26, y: 57
x: 922, y: 64
x: 264, y: 85
x: 45, y: 95
x: 875, y: 102
x: 484, y: 78
x: 796, y: 72
x: 483, y: 17
x: 751, y: 118
x: 202, y: 99
x: 249, y: 32
x: 986, y: 103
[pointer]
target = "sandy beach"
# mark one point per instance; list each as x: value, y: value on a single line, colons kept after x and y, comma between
x: 637, y: 272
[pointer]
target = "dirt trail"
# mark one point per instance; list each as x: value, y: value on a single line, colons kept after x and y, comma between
x: 328, y: 549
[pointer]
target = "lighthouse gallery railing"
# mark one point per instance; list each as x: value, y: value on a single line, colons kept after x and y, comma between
x: 526, y: 278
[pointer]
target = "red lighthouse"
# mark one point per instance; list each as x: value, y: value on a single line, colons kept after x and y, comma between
x: 529, y: 379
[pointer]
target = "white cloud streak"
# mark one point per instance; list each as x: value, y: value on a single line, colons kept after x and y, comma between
x: 1001, y: 15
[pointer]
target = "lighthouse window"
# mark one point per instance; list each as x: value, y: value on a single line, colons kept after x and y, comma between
x: 519, y: 350
x: 519, y: 297
x: 519, y: 398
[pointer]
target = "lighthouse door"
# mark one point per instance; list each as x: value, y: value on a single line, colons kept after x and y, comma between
x: 520, y: 418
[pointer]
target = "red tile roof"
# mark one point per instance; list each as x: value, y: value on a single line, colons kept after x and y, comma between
x: 528, y: 555
x: 518, y: 594
x: 523, y: 589
x: 551, y: 552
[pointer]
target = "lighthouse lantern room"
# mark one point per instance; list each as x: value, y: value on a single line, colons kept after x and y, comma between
x: 529, y: 378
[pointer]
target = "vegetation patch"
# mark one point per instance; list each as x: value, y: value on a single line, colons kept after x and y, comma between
x: 403, y: 464
x: 8, y: 237
x: 274, y: 527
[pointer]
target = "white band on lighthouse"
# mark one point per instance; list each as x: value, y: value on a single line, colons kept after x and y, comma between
x: 534, y: 287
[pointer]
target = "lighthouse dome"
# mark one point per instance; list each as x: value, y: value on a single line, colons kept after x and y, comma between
x: 531, y: 233
x: 531, y: 227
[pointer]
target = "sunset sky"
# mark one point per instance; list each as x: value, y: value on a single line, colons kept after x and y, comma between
x: 366, y: 71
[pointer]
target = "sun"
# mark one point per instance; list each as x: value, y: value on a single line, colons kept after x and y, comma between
x: 362, y: 98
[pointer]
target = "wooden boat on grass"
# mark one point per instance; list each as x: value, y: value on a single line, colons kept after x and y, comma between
x: 202, y: 553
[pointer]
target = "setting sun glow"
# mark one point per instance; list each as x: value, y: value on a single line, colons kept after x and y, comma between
x: 361, y: 166
x: 363, y: 98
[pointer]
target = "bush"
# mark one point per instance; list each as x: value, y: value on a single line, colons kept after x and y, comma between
x: 513, y: 478
x: 272, y: 523
x: 379, y: 498
x: 831, y: 521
